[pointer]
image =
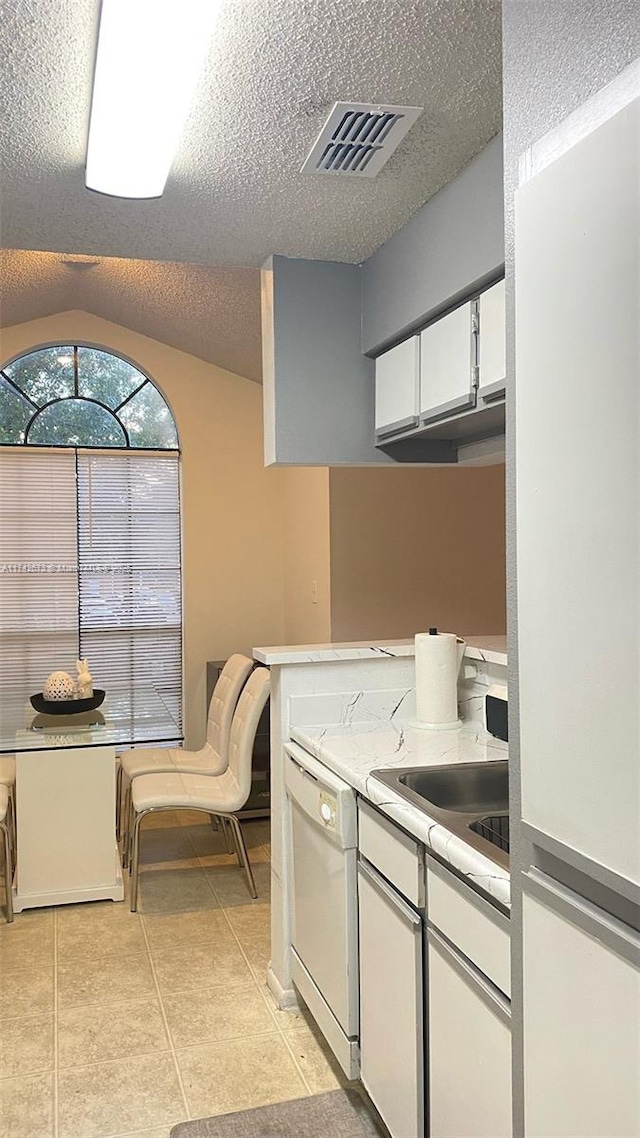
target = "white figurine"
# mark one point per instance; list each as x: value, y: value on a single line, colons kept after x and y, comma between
x: 84, y: 683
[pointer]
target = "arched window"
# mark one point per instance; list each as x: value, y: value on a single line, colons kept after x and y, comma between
x: 89, y: 523
x: 82, y: 397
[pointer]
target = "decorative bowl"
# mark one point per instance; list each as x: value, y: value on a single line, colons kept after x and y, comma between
x: 67, y: 706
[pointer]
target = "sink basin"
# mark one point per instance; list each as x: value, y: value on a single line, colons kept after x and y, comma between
x: 471, y: 788
x: 470, y: 799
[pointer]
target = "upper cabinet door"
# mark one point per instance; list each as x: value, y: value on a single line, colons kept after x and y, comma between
x: 447, y: 365
x: 491, y: 344
x: 397, y: 380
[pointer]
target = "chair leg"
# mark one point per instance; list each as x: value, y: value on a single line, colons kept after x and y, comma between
x: 125, y: 826
x: 135, y: 860
x: 119, y: 802
x: 13, y: 824
x: 215, y: 824
x: 228, y: 834
x: 131, y: 819
x: 8, y: 872
x: 243, y: 855
x: 236, y: 846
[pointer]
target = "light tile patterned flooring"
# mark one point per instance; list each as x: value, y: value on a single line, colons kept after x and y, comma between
x: 115, y: 1023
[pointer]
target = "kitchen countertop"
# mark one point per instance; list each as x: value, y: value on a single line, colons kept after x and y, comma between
x: 352, y: 751
x: 492, y: 649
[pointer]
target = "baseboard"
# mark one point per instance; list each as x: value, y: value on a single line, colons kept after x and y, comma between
x: 284, y: 997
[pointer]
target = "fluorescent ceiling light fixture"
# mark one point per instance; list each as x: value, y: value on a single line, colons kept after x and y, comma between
x: 150, y: 56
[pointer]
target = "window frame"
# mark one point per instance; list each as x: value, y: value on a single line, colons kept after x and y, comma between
x: 77, y: 449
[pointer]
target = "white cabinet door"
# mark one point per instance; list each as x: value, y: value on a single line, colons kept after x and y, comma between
x: 397, y: 379
x: 492, y: 368
x: 578, y: 480
x: 477, y: 929
x: 447, y: 359
x: 469, y: 1049
x: 391, y: 1001
x: 581, y: 1017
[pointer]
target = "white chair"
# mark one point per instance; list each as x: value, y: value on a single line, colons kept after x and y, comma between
x: 8, y: 779
x: 210, y: 759
x: 221, y: 795
x: 8, y: 862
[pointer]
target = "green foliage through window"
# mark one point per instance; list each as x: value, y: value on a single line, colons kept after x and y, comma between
x: 75, y: 396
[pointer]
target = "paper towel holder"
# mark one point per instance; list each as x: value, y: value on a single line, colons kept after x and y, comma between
x: 454, y: 724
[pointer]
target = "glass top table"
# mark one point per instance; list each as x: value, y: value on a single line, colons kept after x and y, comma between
x: 126, y: 718
x: 65, y: 798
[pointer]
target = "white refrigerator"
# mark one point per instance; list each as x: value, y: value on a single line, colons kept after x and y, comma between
x: 577, y: 446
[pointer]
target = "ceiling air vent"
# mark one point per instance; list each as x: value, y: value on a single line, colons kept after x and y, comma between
x: 358, y: 138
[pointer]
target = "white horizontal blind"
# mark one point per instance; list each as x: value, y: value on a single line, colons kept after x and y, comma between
x: 38, y: 565
x: 91, y: 567
x: 130, y: 577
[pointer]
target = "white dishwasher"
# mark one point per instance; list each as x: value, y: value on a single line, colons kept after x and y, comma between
x: 324, y: 905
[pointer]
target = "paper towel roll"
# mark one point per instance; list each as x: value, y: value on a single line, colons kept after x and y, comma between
x: 437, y: 666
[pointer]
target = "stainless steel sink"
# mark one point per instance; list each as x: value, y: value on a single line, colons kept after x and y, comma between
x: 470, y: 788
x: 470, y: 799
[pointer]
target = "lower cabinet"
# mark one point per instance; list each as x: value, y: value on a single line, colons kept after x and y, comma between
x: 435, y: 1015
x: 391, y: 1004
x: 469, y: 1051
x: 581, y: 992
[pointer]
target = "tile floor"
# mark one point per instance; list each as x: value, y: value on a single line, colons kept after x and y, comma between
x: 115, y: 1023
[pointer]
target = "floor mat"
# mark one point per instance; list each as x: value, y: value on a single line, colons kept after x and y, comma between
x: 340, y: 1114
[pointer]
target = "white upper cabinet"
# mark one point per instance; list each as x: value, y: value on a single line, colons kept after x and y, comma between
x: 447, y: 365
x: 397, y: 380
x: 491, y: 343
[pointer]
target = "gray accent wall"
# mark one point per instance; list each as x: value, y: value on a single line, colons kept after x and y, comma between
x: 453, y: 245
x: 322, y: 321
x: 319, y: 388
x: 555, y: 55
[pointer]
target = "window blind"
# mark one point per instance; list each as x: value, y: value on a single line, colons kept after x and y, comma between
x: 129, y: 571
x: 38, y: 565
x: 90, y: 555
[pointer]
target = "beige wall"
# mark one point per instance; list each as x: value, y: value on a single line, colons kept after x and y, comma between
x: 306, y: 555
x: 392, y: 550
x: 413, y: 547
x: 232, y: 507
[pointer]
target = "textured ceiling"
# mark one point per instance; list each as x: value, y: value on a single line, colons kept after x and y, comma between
x: 214, y: 313
x: 274, y: 69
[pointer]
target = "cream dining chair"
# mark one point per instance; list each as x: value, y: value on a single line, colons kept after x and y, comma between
x: 6, y: 841
x: 215, y: 794
x: 8, y: 779
x: 210, y: 759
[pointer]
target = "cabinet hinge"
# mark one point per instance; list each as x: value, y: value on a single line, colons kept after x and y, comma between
x: 475, y: 376
x: 475, y: 322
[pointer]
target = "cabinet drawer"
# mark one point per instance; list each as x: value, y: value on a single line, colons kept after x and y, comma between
x: 398, y: 857
x: 471, y: 923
